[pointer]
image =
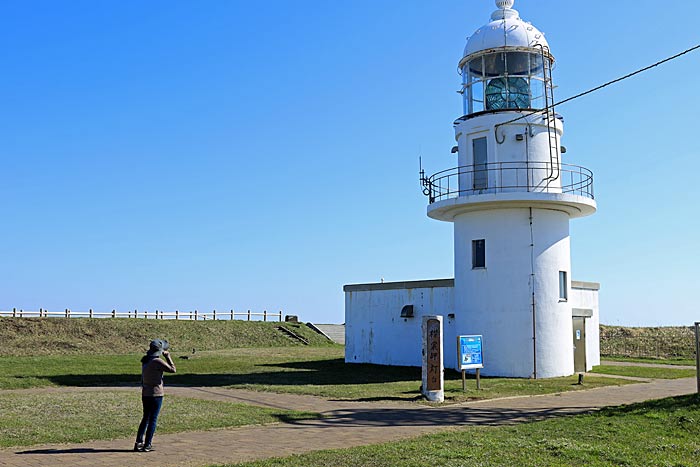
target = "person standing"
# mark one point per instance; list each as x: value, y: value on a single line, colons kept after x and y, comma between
x: 152, y: 369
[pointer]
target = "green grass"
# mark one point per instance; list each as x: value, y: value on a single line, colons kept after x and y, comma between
x: 644, y: 372
x: 75, y: 336
x: 308, y: 370
x: 81, y: 416
x: 657, y: 433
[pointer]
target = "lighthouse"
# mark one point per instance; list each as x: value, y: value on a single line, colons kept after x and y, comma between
x: 511, y: 198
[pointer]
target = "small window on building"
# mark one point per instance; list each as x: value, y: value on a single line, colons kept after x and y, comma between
x: 478, y: 254
x: 563, y: 286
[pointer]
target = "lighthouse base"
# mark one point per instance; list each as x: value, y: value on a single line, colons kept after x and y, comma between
x: 375, y: 331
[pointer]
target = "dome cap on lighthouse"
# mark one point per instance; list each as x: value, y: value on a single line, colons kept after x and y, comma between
x: 506, y: 29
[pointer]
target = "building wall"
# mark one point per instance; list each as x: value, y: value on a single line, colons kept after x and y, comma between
x: 376, y: 333
x: 584, y: 297
x: 524, y: 255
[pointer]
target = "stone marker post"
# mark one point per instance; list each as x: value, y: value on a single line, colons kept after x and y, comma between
x: 433, y: 366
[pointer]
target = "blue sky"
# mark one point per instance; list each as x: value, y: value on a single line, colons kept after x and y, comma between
x: 247, y: 155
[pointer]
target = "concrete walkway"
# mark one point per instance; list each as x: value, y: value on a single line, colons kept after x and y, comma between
x: 346, y: 424
x: 649, y: 365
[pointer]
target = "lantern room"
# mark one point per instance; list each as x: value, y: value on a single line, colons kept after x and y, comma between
x: 506, y: 65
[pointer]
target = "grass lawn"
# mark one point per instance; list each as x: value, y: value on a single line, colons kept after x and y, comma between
x: 657, y: 433
x: 301, y: 370
x: 644, y: 372
x: 81, y: 416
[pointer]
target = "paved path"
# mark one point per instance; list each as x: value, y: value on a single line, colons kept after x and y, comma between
x: 346, y: 424
x: 650, y: 365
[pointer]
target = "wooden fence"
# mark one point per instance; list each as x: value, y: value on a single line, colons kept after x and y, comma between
x: 157, y: 314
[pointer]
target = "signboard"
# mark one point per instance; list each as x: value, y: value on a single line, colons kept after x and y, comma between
x: 433, y: 374
x: 434, y: 360
x: 470, y: 352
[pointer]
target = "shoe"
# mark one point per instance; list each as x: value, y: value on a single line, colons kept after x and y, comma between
x: 148, y: 448
x: 138, y: 447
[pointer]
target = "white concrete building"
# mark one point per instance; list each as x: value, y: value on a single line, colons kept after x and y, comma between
x: 510, y: 199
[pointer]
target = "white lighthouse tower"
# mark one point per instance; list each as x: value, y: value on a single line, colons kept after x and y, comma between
x: 510, y: 199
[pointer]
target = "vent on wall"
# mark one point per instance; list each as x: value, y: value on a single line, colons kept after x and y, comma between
x: 407, y: 311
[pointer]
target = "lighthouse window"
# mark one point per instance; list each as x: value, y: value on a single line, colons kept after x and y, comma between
x: 563, y: 287
x: 478, y: 254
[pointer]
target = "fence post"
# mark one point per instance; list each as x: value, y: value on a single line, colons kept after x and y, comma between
x: 195, y: 315
x: 14, y: 312
x: 231, y: 314
x: 697, y: 354
x: 248, y: 315
x: 114, y: 313
x: 214, y: 313
x: 264, y: 315
x: 136, y: 313
x: 90, y: 313
x: 280, y: 316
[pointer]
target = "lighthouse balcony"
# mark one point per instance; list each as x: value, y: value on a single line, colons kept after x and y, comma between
x: 510, y: 184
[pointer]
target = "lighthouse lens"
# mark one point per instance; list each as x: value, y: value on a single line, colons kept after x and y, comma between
x: 505, y: 80
x: 507, y: 93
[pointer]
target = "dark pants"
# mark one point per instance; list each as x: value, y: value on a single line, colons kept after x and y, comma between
x: 151, y: 409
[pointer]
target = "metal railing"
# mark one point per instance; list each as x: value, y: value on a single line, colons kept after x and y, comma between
x: 193, y: 315
x: 502, y: 177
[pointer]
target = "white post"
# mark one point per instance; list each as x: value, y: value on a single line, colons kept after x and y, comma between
x: 433, y: 361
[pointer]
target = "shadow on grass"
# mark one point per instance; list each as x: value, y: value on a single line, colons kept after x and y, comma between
x: 669, y: 404
x: 318, y: 372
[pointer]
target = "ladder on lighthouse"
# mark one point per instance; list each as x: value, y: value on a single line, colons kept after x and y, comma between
x: 550, y: 116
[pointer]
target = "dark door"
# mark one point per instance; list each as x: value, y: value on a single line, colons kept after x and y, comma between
x: 579, y: 345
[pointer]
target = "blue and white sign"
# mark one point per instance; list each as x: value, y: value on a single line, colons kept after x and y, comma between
x: 470, y: 352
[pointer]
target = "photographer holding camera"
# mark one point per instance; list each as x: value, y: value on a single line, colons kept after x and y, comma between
x: 152, y: 369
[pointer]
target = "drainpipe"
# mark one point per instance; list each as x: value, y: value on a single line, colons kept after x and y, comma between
x: 533, y: 304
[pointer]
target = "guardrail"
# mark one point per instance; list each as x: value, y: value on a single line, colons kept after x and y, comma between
x: 499, y: 177
x: 193, y: 315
